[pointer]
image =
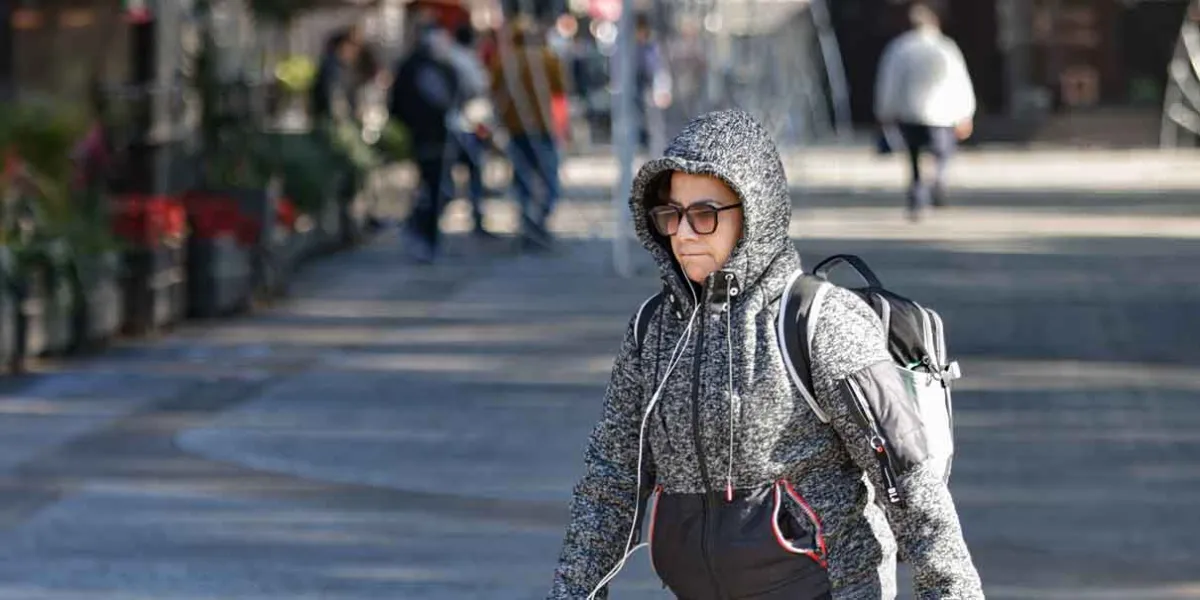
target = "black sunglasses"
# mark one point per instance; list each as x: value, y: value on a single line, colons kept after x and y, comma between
x: 702, y: 217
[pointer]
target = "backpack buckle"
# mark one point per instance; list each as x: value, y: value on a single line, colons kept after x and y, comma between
x: 952, y: 371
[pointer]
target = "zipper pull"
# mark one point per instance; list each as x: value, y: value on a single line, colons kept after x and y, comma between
x: 729, y: 491
x: 720, y: 289
x: 891, y: 490
x: 934, y: 371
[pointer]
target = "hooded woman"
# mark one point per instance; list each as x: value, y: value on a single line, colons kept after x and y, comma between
x: 751, y: 493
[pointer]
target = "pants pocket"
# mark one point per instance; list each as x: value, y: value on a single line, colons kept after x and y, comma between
x: 653, y: 519
x: 796, y: 526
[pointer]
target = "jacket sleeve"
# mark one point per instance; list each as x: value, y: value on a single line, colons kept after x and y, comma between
x: 472, y: 76
x: 965, y: 89
x: 850, y: 352
x: 887, y: 82
x: 603, y: 507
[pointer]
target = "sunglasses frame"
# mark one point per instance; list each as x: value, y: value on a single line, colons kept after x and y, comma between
x: 686, y: 213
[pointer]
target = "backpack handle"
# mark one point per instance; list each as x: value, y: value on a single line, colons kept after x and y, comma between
x: 824, y: 267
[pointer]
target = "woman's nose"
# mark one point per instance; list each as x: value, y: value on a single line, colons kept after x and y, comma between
x: 685, y: 230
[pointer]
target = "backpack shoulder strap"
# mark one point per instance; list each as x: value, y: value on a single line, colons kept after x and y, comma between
x: 641, y: 323
x: 799, y: 311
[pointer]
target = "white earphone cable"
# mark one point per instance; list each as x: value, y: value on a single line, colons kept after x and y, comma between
x: 676, y: 355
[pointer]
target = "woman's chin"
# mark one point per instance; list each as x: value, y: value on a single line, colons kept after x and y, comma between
x: 698, y: 274
x: 696, y: 267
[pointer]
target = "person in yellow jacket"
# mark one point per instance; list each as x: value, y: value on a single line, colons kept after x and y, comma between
x: 526, y: 78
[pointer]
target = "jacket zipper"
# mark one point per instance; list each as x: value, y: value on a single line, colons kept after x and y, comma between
x: 878, y: 445
x: 709, y: 497
x: 701, y: 461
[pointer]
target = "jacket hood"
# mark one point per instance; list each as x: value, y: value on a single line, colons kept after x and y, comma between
x: 734, y: 147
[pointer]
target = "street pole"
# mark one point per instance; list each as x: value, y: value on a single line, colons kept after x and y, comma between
x: 143, y: 59
x: 623, y: 139
x: 6, y: 50
x: 835, y: 72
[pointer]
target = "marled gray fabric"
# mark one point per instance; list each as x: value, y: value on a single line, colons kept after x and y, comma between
x: 776, y: 434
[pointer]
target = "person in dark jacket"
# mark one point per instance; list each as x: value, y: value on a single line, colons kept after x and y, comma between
x: 425, y: 93
x: 334, y: 94
x: 750, y: 491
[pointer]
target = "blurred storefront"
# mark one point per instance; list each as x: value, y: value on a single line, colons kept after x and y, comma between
x: 57, y: 46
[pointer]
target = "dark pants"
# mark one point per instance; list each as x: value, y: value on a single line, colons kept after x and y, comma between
x: 436, y: 187
x: 535, y: 180
x: 941, y: 143
x: 471, y: 154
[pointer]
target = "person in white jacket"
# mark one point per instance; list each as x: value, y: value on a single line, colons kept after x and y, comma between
x: 924, y: 93
x: 471, y: 118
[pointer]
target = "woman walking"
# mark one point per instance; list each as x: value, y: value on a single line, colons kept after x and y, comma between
x: 751, y: 493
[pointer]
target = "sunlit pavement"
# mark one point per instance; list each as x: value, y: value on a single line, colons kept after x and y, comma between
x: 394, y: 431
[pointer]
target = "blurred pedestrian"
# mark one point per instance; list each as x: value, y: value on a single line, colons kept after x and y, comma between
x: 526, y: 77
x: 689, y: 65
x: 652, y: 86
x: 425, y: 94
x: 471, y: 122
x: 335, y: 91
x: 94, y: 156
x: 759, y: 490
x: 924, y: 91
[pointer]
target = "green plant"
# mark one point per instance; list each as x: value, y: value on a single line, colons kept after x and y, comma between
x: 304, y: 161
x: 42, y: 209
x: 296, y: 74
x: 41, y: 135
x: 395, y: 143
x: 232, y: 155
x: 346, y: 140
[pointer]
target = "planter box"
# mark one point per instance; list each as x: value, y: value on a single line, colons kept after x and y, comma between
x: 268, y: 261
x: 47, y: 313
x: 153, y: 285
x: 101, y: 312
x: 272, y: 265
x: 354, y: 205
x: 220, y: 276
x: 300, y: 247
x: 329, y: 218
x: 10, y: 349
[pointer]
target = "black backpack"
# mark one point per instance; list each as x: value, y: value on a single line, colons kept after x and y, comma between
x: 916, y: 342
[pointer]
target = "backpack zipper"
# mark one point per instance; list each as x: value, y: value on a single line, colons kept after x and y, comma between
x: 931, y: 347
x: 877, y: 443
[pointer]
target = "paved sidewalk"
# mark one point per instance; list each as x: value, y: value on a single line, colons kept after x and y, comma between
x: 405, y: 432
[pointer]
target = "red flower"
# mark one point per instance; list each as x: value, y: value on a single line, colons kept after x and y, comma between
x: 147, y: 220
x: 212, y: 216
x: 285, y: 212
x: 11, y: 164
x: 248, y: 231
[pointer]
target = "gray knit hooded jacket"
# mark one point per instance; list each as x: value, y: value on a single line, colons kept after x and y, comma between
x: 749, y: 494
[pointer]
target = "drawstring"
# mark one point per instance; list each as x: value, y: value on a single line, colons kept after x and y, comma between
x: 729, y: 359
x: 676, y: 356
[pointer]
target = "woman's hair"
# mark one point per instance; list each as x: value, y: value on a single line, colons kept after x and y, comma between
x: 658, y: 193
x: 660, y: 190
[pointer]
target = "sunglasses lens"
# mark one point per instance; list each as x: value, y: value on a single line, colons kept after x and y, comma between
x: 665, y: 219
x: 702, y: 218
